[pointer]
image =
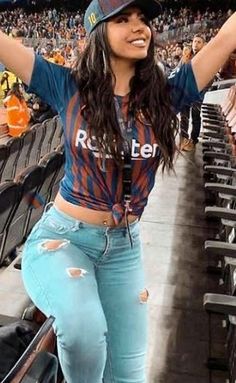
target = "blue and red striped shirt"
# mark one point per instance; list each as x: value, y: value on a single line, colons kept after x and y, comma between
x: 89, y: 181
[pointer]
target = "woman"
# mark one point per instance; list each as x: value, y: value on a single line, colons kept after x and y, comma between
x: 187, y: 55
x: 18, y: 115
x: 82, y: 262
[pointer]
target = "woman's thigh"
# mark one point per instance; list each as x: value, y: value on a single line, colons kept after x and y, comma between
x: 60, y: 279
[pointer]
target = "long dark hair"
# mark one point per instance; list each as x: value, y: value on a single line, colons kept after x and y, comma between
x: 149, y: 95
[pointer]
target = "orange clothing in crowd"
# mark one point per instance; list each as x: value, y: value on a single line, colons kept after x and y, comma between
x: 18, y: 115
x: 59, y: 59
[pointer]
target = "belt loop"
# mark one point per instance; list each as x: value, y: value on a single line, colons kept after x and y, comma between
x: 48, y: 206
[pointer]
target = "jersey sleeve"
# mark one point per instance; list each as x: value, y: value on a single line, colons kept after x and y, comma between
x: 51, y: 82
x: 183, y: 87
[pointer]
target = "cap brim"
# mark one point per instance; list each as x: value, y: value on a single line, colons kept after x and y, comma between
x: 151, y: 8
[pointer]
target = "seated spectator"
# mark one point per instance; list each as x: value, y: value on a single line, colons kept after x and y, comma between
x: 58, y: 57
x: 178, y: 51
x: 40, y: 111
x: 7, y: 80
x: 187, y: 55
x: 18, y: 115
x: 176, y: 61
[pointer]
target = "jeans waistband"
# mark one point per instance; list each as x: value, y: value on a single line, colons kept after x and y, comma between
x: 50, y: 207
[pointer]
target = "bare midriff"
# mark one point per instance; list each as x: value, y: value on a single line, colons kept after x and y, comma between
x: 90, y: 216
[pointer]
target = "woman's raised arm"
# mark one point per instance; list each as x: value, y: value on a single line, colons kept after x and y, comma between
x: 212, y: 57
x: 16, y: 57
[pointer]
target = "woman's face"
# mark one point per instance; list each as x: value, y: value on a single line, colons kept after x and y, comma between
x: 129, y: 35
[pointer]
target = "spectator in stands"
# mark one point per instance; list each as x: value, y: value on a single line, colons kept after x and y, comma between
x: 187, y: 55
x: 82, y: 262
x: 162, y: 58
x: 7, y: 80
x: 186, y: 143
x: 18, y: 115
x: 58, y: 57
x: 40, y: 111
x: 178, y: 52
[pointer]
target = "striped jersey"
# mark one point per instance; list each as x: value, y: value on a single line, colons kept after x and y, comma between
x: 89, y: 181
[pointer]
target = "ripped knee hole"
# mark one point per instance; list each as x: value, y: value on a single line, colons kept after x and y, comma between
x: 143, y: 296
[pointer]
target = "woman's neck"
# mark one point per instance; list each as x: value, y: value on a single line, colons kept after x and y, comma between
x: 123, y: 72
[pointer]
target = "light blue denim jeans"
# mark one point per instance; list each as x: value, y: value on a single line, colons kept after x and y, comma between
x: 91, y: 280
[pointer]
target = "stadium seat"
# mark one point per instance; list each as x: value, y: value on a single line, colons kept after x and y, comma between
x: 59, y: 176
x: 4, y: 154
x: 57, y: 138
x: 37, y: 364
x: 10, y: 194
x: 49, y: 129
x: 220, y: 172
x: 39, y: 133
x: 29, y: 181
x: 27, y: 142
x: 50, y: 165
x: 14, y: 147
x: 226, y: 305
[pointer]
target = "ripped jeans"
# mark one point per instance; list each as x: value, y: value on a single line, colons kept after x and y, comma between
x: 91, y: 280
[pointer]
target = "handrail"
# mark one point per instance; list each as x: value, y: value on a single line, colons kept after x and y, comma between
x: 230, y: 81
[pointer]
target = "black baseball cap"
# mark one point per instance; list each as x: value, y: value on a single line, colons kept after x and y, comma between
x: 101, y: 10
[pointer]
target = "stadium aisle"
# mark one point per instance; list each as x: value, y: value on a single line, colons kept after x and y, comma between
x: 173, y: 233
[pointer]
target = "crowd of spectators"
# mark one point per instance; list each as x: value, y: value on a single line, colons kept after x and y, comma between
x: 58, y: 34
x: 171, y: 19
x: 49, y: 24
x: 171, y: 54
x: 63, y: 24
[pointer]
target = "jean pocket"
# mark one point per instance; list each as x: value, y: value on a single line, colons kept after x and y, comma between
x: 58, y: 226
